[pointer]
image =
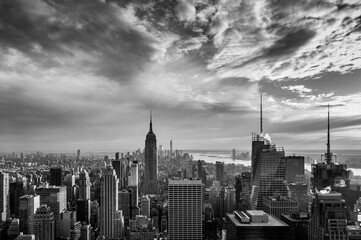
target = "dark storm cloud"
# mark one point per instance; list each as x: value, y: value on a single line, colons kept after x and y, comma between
x: 47, y: 30
x: 288, y: 44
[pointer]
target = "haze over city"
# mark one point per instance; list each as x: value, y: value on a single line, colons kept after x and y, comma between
x: 85, y: 74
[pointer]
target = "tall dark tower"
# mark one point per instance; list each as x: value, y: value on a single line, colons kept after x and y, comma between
x: 329, y: 174
x: 151, y: 162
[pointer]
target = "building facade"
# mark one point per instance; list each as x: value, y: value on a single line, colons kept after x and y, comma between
x: 185, y: 209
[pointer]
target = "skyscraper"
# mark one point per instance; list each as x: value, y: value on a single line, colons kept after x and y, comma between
x: 329, y: 174
x: 56, y: 178
x: 151, y: 162
x: 200, y: 169
x: 84, y: 185
x: 28, y: 204
x: 133, y: 178
x: 185, y: 209
x: 145, y: 206
x: 44, y: 224
x: 16, y: 190
x: 4, y: 196
x: 171, y: 148
x: 108, y: 202
x: 328, y: 217
x: 78, y: 155
x: 55, y: 198
x: 220, y: 172
x: 268, y: 169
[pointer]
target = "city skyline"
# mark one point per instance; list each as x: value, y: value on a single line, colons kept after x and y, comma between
x: 84, y: 75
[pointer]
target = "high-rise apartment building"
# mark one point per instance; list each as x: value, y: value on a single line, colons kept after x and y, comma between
x: 185, y: 209
x: 108, y: 202
x: 4, y: 196
x: 28, y: 204
x: 220, y: 172
x: 328, y: 217
x: 56, y: 177
x: 151, y: 162
x: 44, y: 223
x: 55, y: 198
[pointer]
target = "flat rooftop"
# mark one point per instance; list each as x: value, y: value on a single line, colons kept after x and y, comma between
x: 272, y: 222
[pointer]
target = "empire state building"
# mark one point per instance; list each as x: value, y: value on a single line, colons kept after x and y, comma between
x: 151, y: 162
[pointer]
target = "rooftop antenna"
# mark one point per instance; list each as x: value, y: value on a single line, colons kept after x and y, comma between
x: 150, y: 122
x: 261, y: 119
x: 328, y: 153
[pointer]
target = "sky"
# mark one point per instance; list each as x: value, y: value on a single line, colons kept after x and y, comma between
x: 85, y: 74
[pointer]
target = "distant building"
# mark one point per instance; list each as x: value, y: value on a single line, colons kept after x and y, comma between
x: 56, y: 177
x: 185, y: 209
x: 298, y: 223
x: 243, y: 188
x: 279, y: 205
x: 44, y: 223
x: 4, y: 196
x: 151, y: 162
x: 254, y: 224
x: 294, y: 165
x: 171, y: 148
x: 328, y: 217
x: 200, y: 169
x: 220, y: 172
x: 78, y: 155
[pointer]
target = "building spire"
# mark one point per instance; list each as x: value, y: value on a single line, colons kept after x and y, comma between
x: 261, y: 119
x: 328, y: 153
x: 150, y: 122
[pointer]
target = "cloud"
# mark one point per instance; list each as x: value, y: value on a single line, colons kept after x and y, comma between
x: 185, y: 10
